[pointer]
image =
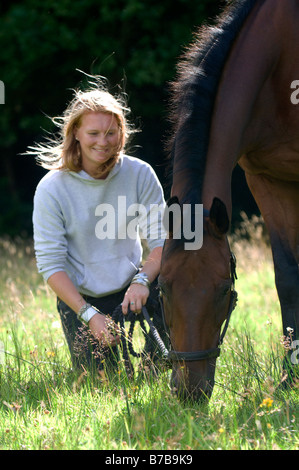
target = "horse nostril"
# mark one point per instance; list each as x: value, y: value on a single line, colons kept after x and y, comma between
x: 187, y: 387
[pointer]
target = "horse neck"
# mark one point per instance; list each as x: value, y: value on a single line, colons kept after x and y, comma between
x: 251, y: 62
x: 217, y: 183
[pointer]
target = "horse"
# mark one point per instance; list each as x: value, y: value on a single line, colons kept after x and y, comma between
x: 231, y: 103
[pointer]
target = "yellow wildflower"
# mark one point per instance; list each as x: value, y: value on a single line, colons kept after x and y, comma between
x: 267, y: 403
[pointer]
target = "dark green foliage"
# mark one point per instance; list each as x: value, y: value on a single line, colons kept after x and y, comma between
x: 135, y: 43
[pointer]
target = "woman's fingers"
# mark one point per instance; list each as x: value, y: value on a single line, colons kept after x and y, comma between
x: 105, y: 330
x: 135, y: 298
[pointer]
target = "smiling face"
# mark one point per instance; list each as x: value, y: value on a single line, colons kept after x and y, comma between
x: 99, y: 138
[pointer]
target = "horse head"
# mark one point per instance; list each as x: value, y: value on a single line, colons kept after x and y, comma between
x: 197, y: 289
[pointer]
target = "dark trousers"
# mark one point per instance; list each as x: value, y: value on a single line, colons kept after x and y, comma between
x: 84, y: 349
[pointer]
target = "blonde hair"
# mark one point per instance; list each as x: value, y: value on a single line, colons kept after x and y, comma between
x: 63, y: 153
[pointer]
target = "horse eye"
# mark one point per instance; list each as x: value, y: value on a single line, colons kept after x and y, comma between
x: 162, y: 289
x: 224, y: 291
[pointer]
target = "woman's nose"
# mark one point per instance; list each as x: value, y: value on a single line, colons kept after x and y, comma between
x: 102, y: 139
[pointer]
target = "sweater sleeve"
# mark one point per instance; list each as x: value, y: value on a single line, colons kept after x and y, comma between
x: 48, y: 233
x: 152, y: 206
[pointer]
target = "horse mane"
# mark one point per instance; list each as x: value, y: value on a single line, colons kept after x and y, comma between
x: 194, y: 91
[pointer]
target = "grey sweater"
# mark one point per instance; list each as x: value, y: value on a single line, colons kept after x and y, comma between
x: 90, y: 228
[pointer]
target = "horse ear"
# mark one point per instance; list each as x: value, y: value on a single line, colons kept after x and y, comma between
x: 219, y: 217
x: 172, y: 216
x: 172, y: 200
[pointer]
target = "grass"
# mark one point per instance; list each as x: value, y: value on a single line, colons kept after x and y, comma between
x: 46, y: 405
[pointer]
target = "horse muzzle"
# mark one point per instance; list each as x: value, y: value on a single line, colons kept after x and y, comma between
x: 194, y: 382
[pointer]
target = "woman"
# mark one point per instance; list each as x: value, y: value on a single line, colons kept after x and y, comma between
x: 84, y: 261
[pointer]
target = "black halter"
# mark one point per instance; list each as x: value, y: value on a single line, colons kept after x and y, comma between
x: 175, y: 356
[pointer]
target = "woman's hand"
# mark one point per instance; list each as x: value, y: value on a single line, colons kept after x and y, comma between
x: 104, y: 330
x: 135, y: 298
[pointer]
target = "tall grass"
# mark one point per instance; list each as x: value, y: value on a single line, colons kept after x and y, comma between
x: 44, y: 404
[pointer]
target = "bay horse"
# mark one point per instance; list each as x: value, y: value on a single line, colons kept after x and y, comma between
x: 231, y: 104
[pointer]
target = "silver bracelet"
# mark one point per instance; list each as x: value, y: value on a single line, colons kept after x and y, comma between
x: 141, y: 278
x: 86, y: 313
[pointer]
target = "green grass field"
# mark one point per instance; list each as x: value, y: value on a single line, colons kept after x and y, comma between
x: 45, y: 405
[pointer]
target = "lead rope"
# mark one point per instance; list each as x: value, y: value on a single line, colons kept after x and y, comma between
x: 155, y: 333
x: 127, y: 338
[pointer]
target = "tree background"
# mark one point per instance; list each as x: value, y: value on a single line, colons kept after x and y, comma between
x: 135, y: 43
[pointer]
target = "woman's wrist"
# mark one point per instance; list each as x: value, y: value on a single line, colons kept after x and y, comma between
x: 86, y: 313
x: 142, y: 279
